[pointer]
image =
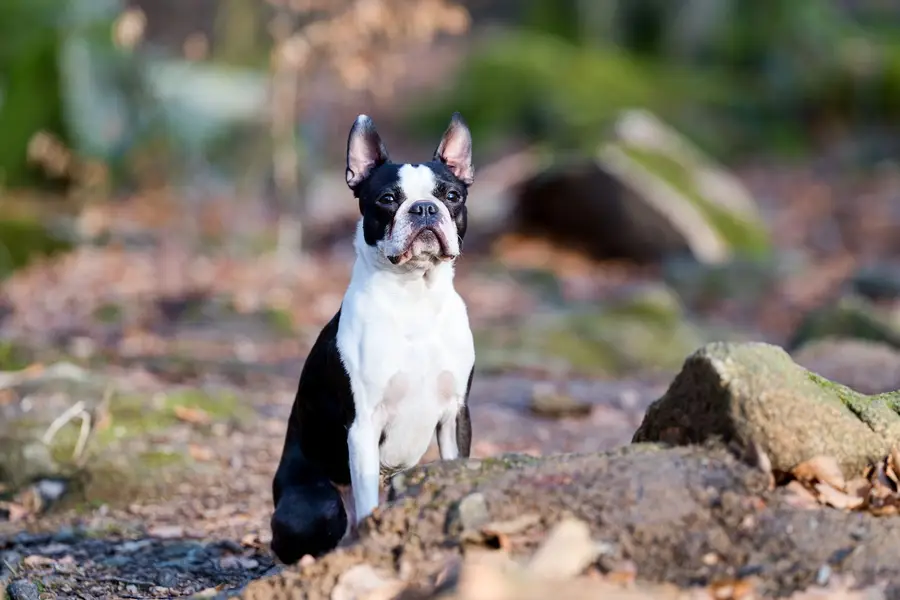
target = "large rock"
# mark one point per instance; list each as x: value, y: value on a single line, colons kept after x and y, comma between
x: 867, y: 367
x: 649, y: 194
x: 754, y: 395
x: 688, y: 516
x: 849, y: 317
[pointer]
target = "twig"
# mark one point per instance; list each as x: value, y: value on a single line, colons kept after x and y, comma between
x: 88, y: 424
x: 12, y: 569
x: 73, y: 411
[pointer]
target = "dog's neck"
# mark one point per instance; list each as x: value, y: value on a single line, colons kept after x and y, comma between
x: 371, y: 268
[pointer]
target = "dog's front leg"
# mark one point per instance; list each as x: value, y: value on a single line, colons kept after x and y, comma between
x: 362, y: 443
x: 446, y: 438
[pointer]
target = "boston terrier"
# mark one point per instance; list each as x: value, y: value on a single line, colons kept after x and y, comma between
x: 394, y: 366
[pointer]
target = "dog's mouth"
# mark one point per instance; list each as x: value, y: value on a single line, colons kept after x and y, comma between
x: 427, y: 236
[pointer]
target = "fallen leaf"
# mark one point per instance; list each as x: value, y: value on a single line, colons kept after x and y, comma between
x: 731, y: 589
x: 166, y: 532
x: 882, y: 486
x: 36, y: 560
x: 821, y: 468
x: 836, y: 498
x: 623, y: 573
x: 799, y: 497
x: 201, y: 453
x: 194, y: 416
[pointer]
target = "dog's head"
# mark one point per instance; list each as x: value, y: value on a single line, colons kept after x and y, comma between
x: 413, y: 215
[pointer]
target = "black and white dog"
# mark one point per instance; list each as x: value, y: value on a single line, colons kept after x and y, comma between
x: 394, y: 366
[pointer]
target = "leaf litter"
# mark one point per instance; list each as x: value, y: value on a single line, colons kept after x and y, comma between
x: 819, y: 481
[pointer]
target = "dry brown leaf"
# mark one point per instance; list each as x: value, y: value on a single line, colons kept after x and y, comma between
x: 166, y: 532
x: 882, y: 486
x: 821, y: 468
x: 194, y: 416
x: 799, y: 497
x: 892, y: 468
x: 837, y: 498
x: 885, y: 510
x: 731, y: 589
x: 201, y: 453
x: 36, y: 560
x: 859, y: 487
x: 623, y: 573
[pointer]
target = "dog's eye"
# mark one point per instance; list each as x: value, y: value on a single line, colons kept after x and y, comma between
x: 386, y: 199
x: 453, y: 196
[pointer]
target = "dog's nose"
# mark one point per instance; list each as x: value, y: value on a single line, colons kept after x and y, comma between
x: 424, y: 207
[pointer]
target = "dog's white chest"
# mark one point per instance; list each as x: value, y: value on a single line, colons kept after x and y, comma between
x: 408, y: 355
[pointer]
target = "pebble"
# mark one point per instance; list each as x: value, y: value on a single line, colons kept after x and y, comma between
x: 473, y: 512
x: 22, y: 590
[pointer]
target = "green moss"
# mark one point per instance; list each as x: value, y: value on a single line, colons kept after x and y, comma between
x: 157, y: 459
x: 851, y: 317
x: 219, y: 406
x: 13, y: 357
x: 22, y: 240
x: 746, y: 238
x: 108, y: 313
x: 279, y: 320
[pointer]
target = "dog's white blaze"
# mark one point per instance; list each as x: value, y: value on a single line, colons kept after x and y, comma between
x: 418, y: 183
x: 412, y: 323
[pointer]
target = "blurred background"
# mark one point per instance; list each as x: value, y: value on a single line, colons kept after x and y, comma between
x: 651, y: 175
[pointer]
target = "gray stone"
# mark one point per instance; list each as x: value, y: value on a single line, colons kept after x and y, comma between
x: 22, y: 590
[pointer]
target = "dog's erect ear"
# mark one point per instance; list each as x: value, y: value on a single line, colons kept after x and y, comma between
x: 365, y: 151
x: 455, y: 150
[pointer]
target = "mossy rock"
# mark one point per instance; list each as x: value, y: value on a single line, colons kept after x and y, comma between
x: 648, y: 330
x: 708, y: 206
x: 852, y: 317
x: 755, y: 396
x: 124, y: 455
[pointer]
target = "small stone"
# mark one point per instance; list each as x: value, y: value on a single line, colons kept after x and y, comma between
x: 133, y: 546
x: 22, y: 590
x: 473, y: 512
x: 549, y: 403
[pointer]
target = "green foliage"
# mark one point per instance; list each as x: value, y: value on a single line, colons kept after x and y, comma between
x: 739, y: 75
x: 23, y: 240
x: 29, y: 82
x: 551, y: 90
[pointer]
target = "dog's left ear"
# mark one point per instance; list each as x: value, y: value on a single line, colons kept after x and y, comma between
x: 455, y: 150
x: 365, y: 151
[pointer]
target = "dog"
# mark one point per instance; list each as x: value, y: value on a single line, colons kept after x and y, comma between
x: 393, y: 368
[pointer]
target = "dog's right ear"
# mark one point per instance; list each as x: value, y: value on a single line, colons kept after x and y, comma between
x: 365, y: 151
